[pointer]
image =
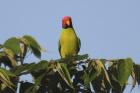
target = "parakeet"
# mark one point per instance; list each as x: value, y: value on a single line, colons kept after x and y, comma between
x: 69, y: 43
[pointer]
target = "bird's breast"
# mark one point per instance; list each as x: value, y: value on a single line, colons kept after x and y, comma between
x: 68, y: 43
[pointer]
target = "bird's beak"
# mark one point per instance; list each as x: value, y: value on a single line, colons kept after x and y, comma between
x: 68, y: 23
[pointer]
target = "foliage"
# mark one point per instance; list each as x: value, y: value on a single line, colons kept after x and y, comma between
x: 78, y: 74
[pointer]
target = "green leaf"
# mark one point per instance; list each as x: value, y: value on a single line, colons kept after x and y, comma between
x: 9, y: 73
x: 20, y: 70
x: 92, y: 72
x: 33, y: 44
x: 101, y: 63
x: 82, y: 57
x: 64, y: 73
x: 42, y: 65
x: 39, y: 71
x: 124, y: 70
x: 134, y: 77
x: 87, y: 79
x: 36, y: 52
x: 13, y: 44
x: 5, y: 78
x: 26, y: 87
x: 23, y: 52
x: 32, y: 67
x: 137, y: 73
x: 1, y: 46
x: 7, y: 57
x: 95, y: 68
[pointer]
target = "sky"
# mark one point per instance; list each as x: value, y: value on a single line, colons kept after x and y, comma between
x: 107, y: 28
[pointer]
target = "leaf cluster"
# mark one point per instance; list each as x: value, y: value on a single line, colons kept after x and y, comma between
x: 78, y: 74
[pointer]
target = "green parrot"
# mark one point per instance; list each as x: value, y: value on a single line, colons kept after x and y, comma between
x: 69, y: 43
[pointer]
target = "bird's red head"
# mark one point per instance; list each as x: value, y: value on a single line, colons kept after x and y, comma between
x: 66, y: 22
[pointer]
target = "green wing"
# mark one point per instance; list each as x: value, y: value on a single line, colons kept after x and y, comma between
x: 59, y: 48
x: 79, y: 45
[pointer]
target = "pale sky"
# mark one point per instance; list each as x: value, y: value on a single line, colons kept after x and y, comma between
x: 107, y: 28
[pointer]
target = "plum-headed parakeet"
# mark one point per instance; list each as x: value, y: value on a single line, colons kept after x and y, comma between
x: 69, y: 43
